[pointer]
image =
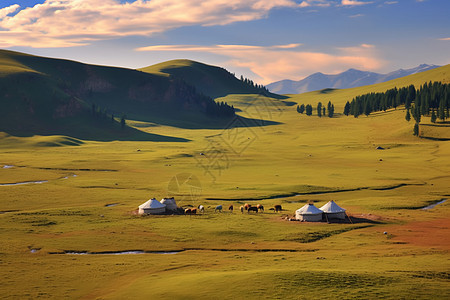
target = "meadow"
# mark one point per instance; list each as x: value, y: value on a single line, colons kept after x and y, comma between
x: 57, y: 235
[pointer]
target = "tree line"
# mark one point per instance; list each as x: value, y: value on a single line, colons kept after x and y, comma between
x: 430, y: 98
x: 320, y: 109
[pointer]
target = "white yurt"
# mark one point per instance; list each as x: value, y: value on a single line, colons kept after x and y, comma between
x: 333, y: 211
x: 170, y: 203
x: 309, y: 213
x: 152, y: 207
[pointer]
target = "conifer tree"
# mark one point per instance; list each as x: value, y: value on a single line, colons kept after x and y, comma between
x: 416, y: 129
x: 347, y: 109
x: 408, y: 115
x: 302, y: 108
x: 319, y: 109
x: 123, y: 121
x: 433, y: 117
x: 308, y: 109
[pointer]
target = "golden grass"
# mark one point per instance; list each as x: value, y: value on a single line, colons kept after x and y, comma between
x: 229, y: 255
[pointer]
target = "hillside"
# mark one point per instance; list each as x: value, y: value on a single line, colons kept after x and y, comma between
x: 339, y: 97
x: 52, y: 96
x: 209, y: 80
x: 348, y: 79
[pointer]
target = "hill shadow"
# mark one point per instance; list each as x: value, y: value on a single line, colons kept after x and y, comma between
x: 209, y: 123
x: 98, y: 135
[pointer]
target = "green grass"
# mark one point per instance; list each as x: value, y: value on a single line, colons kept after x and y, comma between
x: 229, y: 255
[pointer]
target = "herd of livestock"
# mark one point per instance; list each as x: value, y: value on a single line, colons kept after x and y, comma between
x: 246, y: 207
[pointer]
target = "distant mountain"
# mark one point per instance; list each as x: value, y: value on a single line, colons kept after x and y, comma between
x: 210, y: 80
x: 348, y: 79
x: 53, y: 96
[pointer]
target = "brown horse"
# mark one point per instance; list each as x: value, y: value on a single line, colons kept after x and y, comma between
x: 252, y: 208
x: 242, y: 209
x: 190, y: 211
x: 231, y: 207
x: 247, y: 206
x: 277, y: 208
x: 260, y: 207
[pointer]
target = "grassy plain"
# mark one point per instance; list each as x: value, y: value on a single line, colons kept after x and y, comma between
x: 230, y: 255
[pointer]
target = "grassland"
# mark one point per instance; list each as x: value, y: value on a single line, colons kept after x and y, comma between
x: 295, y: 160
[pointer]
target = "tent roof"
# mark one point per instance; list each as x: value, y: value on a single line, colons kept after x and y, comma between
x: 309, y: 209
x: 152, y: 203
x: 332, y: 207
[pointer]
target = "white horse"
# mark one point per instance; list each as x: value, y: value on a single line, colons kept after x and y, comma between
x: 218, y: 208
x: 201, y: 208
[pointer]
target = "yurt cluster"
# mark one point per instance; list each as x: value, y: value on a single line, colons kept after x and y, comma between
x: 155, y: 207
x: 307, y: 213
x: 311, y: 213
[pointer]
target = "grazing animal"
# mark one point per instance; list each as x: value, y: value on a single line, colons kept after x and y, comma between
x: 218, y: 208
x: 247, y: 206
x: 190, y: 211
x: 231, y: 207
x: 260, y: 207
x: 201, y: 208
x: 242, y: 209
x: 277, y: 208
x: 252, y: 208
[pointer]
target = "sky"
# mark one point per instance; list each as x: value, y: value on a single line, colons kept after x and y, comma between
x: 264, y: 40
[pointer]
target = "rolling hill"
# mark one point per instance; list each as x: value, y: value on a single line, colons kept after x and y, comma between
x: 53, y: 96
x: 209, y: 80
x: 348, y: 79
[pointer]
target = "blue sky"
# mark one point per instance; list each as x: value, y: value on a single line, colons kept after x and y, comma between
x: 265, y: 40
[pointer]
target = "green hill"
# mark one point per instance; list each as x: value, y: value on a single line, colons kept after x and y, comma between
x: 210, y: 80
x: 339, y: 97
x: 52, y: 96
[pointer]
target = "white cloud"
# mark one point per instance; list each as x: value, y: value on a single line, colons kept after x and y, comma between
x: 390, y: 2
x: 272, y: 63
x: 57, y: 23
x: 445, y: 39
x: 353, y: 2
x: 8, y: 10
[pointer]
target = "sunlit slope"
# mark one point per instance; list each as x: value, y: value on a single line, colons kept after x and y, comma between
x: 210, y: 80
x: 340, y: 97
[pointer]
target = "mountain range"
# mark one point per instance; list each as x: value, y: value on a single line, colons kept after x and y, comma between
x: 348, y: 79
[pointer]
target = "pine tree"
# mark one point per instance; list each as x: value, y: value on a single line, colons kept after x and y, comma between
x: 298, y: 109
x: 347, y: 109
x: 441, y: 111
x: 331, y: 111
x: 319, y: 109
x: 302, y: 108
x: 323, y: 111
x: 408, y: 115
x: 416, y: 129
x: 308, y: 109
x: 433, y: 117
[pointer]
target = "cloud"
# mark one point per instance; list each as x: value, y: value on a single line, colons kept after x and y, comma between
x: 320, y: 3
x: 8, y: 10
x: 277, y: 62
x: 353, y: 2
x: 390, y: 2
x: 65, y: 23
x: 445, y: 39
x: 356, y: 16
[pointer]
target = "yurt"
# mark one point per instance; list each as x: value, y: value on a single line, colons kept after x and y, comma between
x: 152, y: 207
x: 309, y: 213
x: 170, y: 203
x: 333, y: 211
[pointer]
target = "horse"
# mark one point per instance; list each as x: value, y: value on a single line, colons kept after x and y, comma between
x: 242, y: 209
x: 247, y: 206
x: 231, y: 207
x: 218, y: 208
x: 252, y: 208
x: 260, y: 207
x: 277, y: 208
x: 190, y: 211
x: 201, y: 208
